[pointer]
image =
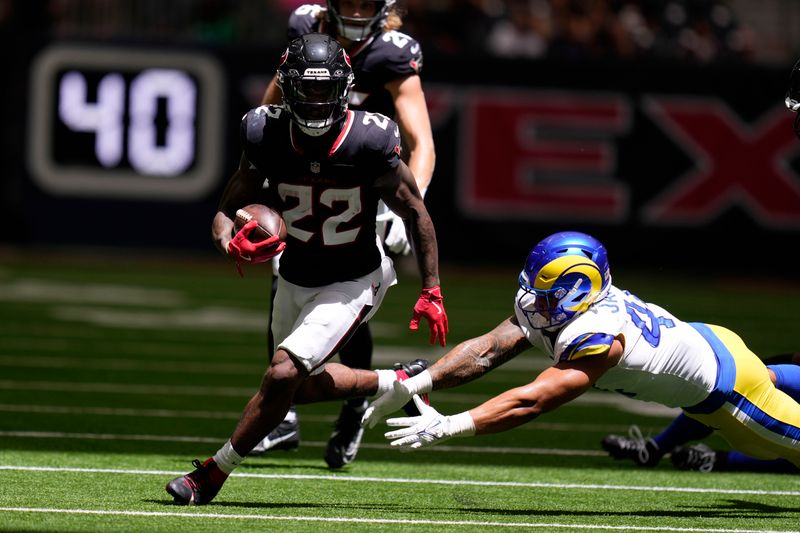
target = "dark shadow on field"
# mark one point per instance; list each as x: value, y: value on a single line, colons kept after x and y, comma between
x: 267, y: 505
x: 277, y: 464
x: 733, y: 509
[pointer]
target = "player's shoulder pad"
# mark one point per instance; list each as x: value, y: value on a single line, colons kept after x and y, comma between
x: 596, y: 320
x: 380, y: 130
x: 399, y: 52
x: 305, y: 19
x: 255, y: 122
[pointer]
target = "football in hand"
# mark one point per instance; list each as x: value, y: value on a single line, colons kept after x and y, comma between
x: 269, y: 222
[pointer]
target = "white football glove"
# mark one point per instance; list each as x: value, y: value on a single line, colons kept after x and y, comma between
x: 388, y: 403
x: 430, y: 428
x: 397, y: 239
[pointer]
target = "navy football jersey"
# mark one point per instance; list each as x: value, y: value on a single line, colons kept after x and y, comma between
x: 384, y: 57
x: 329, y: 203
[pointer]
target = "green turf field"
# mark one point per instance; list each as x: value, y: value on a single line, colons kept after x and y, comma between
x: 116, y: 373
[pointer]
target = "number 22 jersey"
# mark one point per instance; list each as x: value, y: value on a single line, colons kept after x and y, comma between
x: 328, y: 201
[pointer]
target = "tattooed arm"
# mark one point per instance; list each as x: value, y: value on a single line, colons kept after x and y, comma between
x: 475, y: 357
x: 467, y: 361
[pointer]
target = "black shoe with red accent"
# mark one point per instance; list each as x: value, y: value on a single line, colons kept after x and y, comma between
x: 200, y: 486
x: 409, y: 370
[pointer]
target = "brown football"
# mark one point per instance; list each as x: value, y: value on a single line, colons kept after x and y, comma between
x: 269, y: 222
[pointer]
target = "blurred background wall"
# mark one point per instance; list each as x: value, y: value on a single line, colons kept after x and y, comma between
x: 657, y: 125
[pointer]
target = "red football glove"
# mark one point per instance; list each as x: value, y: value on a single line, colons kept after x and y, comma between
x: 242, y: 249
x: 431, y: 306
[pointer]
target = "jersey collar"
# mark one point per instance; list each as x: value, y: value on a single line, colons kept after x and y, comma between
x: 342, y: 134
x: 348, y: 124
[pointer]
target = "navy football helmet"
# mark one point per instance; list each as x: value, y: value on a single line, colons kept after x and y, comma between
x: 315, y: 76
x: 563, y: 275
x: 793, y: 96
x: 359, y: 28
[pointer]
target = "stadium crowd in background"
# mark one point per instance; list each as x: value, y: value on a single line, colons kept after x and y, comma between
x: 696, y: 30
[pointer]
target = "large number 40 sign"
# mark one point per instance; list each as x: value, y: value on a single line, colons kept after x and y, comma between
x: 125, y: 123
x: 105, y: 118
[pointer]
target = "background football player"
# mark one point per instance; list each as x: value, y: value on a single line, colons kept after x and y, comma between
x: 327, y: 168
x: 386, y: 64
x: 599, y: 335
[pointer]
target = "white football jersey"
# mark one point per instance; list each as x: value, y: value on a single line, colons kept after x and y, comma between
x: 665, y: 360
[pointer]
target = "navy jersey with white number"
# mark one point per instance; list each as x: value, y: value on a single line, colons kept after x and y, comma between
x: 385, y: 57
x: 329, y: 202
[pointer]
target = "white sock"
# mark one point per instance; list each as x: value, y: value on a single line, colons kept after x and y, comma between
x: 227, y: 459
x: 385, y: 380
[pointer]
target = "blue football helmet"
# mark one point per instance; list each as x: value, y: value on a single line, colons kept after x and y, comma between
x: 563, y: 275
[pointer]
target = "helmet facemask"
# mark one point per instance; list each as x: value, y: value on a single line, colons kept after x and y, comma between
x: 316, y: 103
x: 315, y: 76
x: 358, y: 29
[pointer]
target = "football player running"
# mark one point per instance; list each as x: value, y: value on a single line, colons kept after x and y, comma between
x: 386, y: 64
x: 602, y: 336
x: 673, y: 440
x: 326, y: 167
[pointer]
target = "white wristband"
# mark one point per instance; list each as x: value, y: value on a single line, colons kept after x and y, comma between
x: 462, y: 424
x: 419, y: 384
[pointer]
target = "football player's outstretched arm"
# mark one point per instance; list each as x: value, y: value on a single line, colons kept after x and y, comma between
x: 475, y: 357
x: 551, y: 389
x: 467, y: 361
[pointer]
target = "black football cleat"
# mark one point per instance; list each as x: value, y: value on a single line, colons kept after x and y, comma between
x: 284, y: 437
x: 198, y: 487
x: 640, y: 450
x: 695, y: 457
x: 346, y: 437
x: 409, y: 370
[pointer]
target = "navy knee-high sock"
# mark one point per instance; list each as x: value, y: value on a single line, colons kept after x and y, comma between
x: 734, y: 460
x: 682, y: 430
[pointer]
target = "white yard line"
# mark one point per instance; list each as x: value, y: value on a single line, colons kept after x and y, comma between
x: 415, y: 481
x: 386, y: 521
